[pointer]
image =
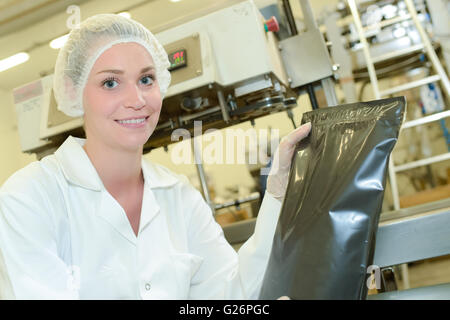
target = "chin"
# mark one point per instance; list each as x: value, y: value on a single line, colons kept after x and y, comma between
x: 134, y: 142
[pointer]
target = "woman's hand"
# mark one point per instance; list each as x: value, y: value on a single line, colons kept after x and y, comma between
x: 277, y: 180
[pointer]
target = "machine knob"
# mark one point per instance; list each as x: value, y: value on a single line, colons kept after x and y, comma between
x: 272, y: 25
x: 189, y: 103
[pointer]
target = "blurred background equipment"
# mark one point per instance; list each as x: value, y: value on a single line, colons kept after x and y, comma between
x: 373, y: 16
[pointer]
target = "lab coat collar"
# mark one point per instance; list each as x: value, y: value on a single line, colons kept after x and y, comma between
x: 157, y: 176
x: 111, y: 211
x: 78, y: 168
x: 76, y: 165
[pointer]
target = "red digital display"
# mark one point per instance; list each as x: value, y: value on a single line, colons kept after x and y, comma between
x: 177, y: 59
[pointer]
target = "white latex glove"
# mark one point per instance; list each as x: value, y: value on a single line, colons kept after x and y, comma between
x: 277, y: 180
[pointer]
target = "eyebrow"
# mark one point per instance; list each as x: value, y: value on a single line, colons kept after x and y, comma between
x: 121, y: 71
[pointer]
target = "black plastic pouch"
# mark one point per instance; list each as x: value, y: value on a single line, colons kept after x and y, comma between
x: 325, y: 238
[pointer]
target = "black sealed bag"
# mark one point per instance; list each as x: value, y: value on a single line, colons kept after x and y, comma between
x: 325, y: 237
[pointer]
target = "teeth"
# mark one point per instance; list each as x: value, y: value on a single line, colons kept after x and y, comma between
x: 131, y: 121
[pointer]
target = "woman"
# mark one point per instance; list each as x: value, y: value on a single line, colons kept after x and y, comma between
x: 95, y: 220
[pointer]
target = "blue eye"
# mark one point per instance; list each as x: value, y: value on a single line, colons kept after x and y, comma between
x: 110, y: 83
x: 147, y: 80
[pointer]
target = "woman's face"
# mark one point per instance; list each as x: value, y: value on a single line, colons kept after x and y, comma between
x: 121, y: 99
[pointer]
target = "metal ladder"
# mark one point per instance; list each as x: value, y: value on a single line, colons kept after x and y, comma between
x: 439, y: 76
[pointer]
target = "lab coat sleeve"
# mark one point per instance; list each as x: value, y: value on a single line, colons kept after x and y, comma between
x: 29, y: 248
x: 223, y: 273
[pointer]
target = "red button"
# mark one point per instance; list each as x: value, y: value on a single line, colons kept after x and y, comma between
x: 272, y: 25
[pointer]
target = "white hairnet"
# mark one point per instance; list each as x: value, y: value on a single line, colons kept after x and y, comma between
x: 86, y: 43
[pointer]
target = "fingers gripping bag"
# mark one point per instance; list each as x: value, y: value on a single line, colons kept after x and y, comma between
x: 325, y: 236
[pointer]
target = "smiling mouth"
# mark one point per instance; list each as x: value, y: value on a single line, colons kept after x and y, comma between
x: 133, y: 122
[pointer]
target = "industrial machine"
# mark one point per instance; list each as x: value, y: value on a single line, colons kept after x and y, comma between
x: 228, y: 66
x: 225, y: 69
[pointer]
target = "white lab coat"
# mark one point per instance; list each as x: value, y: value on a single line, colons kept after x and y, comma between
x: 63, y: 236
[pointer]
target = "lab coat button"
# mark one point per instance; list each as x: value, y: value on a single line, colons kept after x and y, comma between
x: 147, y: 286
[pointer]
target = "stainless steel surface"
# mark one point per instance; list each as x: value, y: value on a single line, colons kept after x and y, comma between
x: 223, y: 106
x: 414, y: 211
x: 330, y: 93
x: 196, y: 149
x: 413, y: 239
x: 341, y: 56
x: 253, y: 85
x: 306, y: 58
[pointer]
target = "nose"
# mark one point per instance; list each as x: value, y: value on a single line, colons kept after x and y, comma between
x: 134, y: 97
